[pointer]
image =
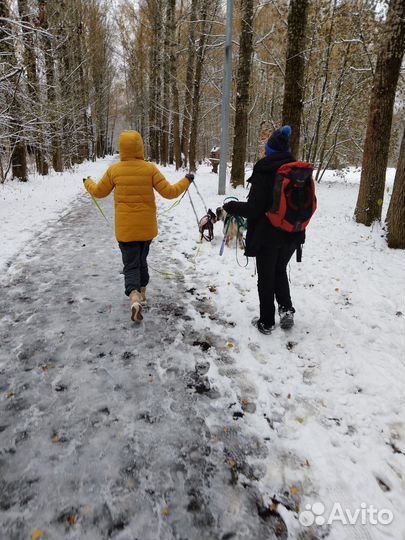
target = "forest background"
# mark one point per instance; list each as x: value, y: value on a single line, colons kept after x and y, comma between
x: 74, y: 73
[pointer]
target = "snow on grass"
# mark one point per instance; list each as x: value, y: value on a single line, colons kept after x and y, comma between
x: 26, y: 207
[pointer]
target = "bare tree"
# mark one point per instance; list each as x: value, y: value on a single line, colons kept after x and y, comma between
x: 208, y: 7
x: 242, y: 94
x: 396, y: 209
x: 13, y: 110
x: 52, y: 102
x: 164, y: 134
x: 155, y: 64
x: 175, y: 92
x: 30, y: 63
x: 375, y: 157
x: 294, y: 70
x: 185, y: 133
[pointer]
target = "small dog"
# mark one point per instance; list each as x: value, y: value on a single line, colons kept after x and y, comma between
x: 221, y: 215
x: 206, y: 225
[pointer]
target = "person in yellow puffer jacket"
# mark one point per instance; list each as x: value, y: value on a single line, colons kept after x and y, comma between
x: 134, y: 181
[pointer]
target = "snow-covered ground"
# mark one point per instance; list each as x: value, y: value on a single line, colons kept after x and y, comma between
x: 194, y: 425
x: 26, y: 207
x: 331, y: 388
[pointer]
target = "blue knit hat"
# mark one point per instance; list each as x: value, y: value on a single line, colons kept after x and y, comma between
x: 279, y: 141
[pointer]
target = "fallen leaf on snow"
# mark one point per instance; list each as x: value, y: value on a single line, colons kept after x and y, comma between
x: 10, y: 394
x: 37, y: 534
x: 166, y: 512
x: 72, y: 519
x: 300, y: 420
x: 273, y: 507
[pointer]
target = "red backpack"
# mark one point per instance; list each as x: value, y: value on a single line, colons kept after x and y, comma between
x: 294, y: 200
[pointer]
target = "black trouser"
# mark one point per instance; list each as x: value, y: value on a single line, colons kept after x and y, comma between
x: 273, y: 281
x: 134, y: 255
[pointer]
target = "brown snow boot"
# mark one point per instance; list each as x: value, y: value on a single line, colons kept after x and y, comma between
x: 135, y: 298
x: 144, y: 300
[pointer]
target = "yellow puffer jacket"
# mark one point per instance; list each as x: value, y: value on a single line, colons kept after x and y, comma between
x: 134, y: 179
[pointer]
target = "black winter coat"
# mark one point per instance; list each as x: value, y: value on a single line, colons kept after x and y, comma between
x: 261, y: 235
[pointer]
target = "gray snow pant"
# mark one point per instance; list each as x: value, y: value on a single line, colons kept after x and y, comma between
x: 134, y: 255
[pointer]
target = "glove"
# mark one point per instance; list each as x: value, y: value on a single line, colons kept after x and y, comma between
x: 230, y: 208
x: 190, y: 177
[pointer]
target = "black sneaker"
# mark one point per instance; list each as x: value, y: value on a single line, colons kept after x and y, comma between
x: 263, y: 328
x: 286, y: 318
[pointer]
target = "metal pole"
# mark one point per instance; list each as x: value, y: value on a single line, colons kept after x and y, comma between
x: 226, y: 98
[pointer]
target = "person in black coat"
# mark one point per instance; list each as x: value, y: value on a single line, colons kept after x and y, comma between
x: 272, y: 247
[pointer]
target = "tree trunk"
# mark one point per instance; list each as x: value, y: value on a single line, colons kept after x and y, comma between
x: 175, y: 92
x: 313, y: 146
x: 294, y: 70
x: 30, y: 63
x: 81, y: 89
x: 52, y: 104
x: 200, y: 57
x: 18, y: 148
x: 376, y: 147
x: 164, y: 134
x: 18, y: 156
x: 396, y: 209
x: 155, y: 78
x: 185, y: 133
x: 242, y: 94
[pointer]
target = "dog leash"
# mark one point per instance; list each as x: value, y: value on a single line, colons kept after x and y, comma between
x: 228, y: 220
x: 240, y: 223
x: 199, y: 194
x: 194, y: 210
x: 209, y: 236
x: 176, y: 203
x: 165, y: 274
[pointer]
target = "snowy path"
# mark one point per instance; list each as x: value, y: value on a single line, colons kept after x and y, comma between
x: 193, y: 425
x: 103, y: 432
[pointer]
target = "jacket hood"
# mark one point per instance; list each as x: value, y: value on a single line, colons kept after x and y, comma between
x: 131, y: 146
